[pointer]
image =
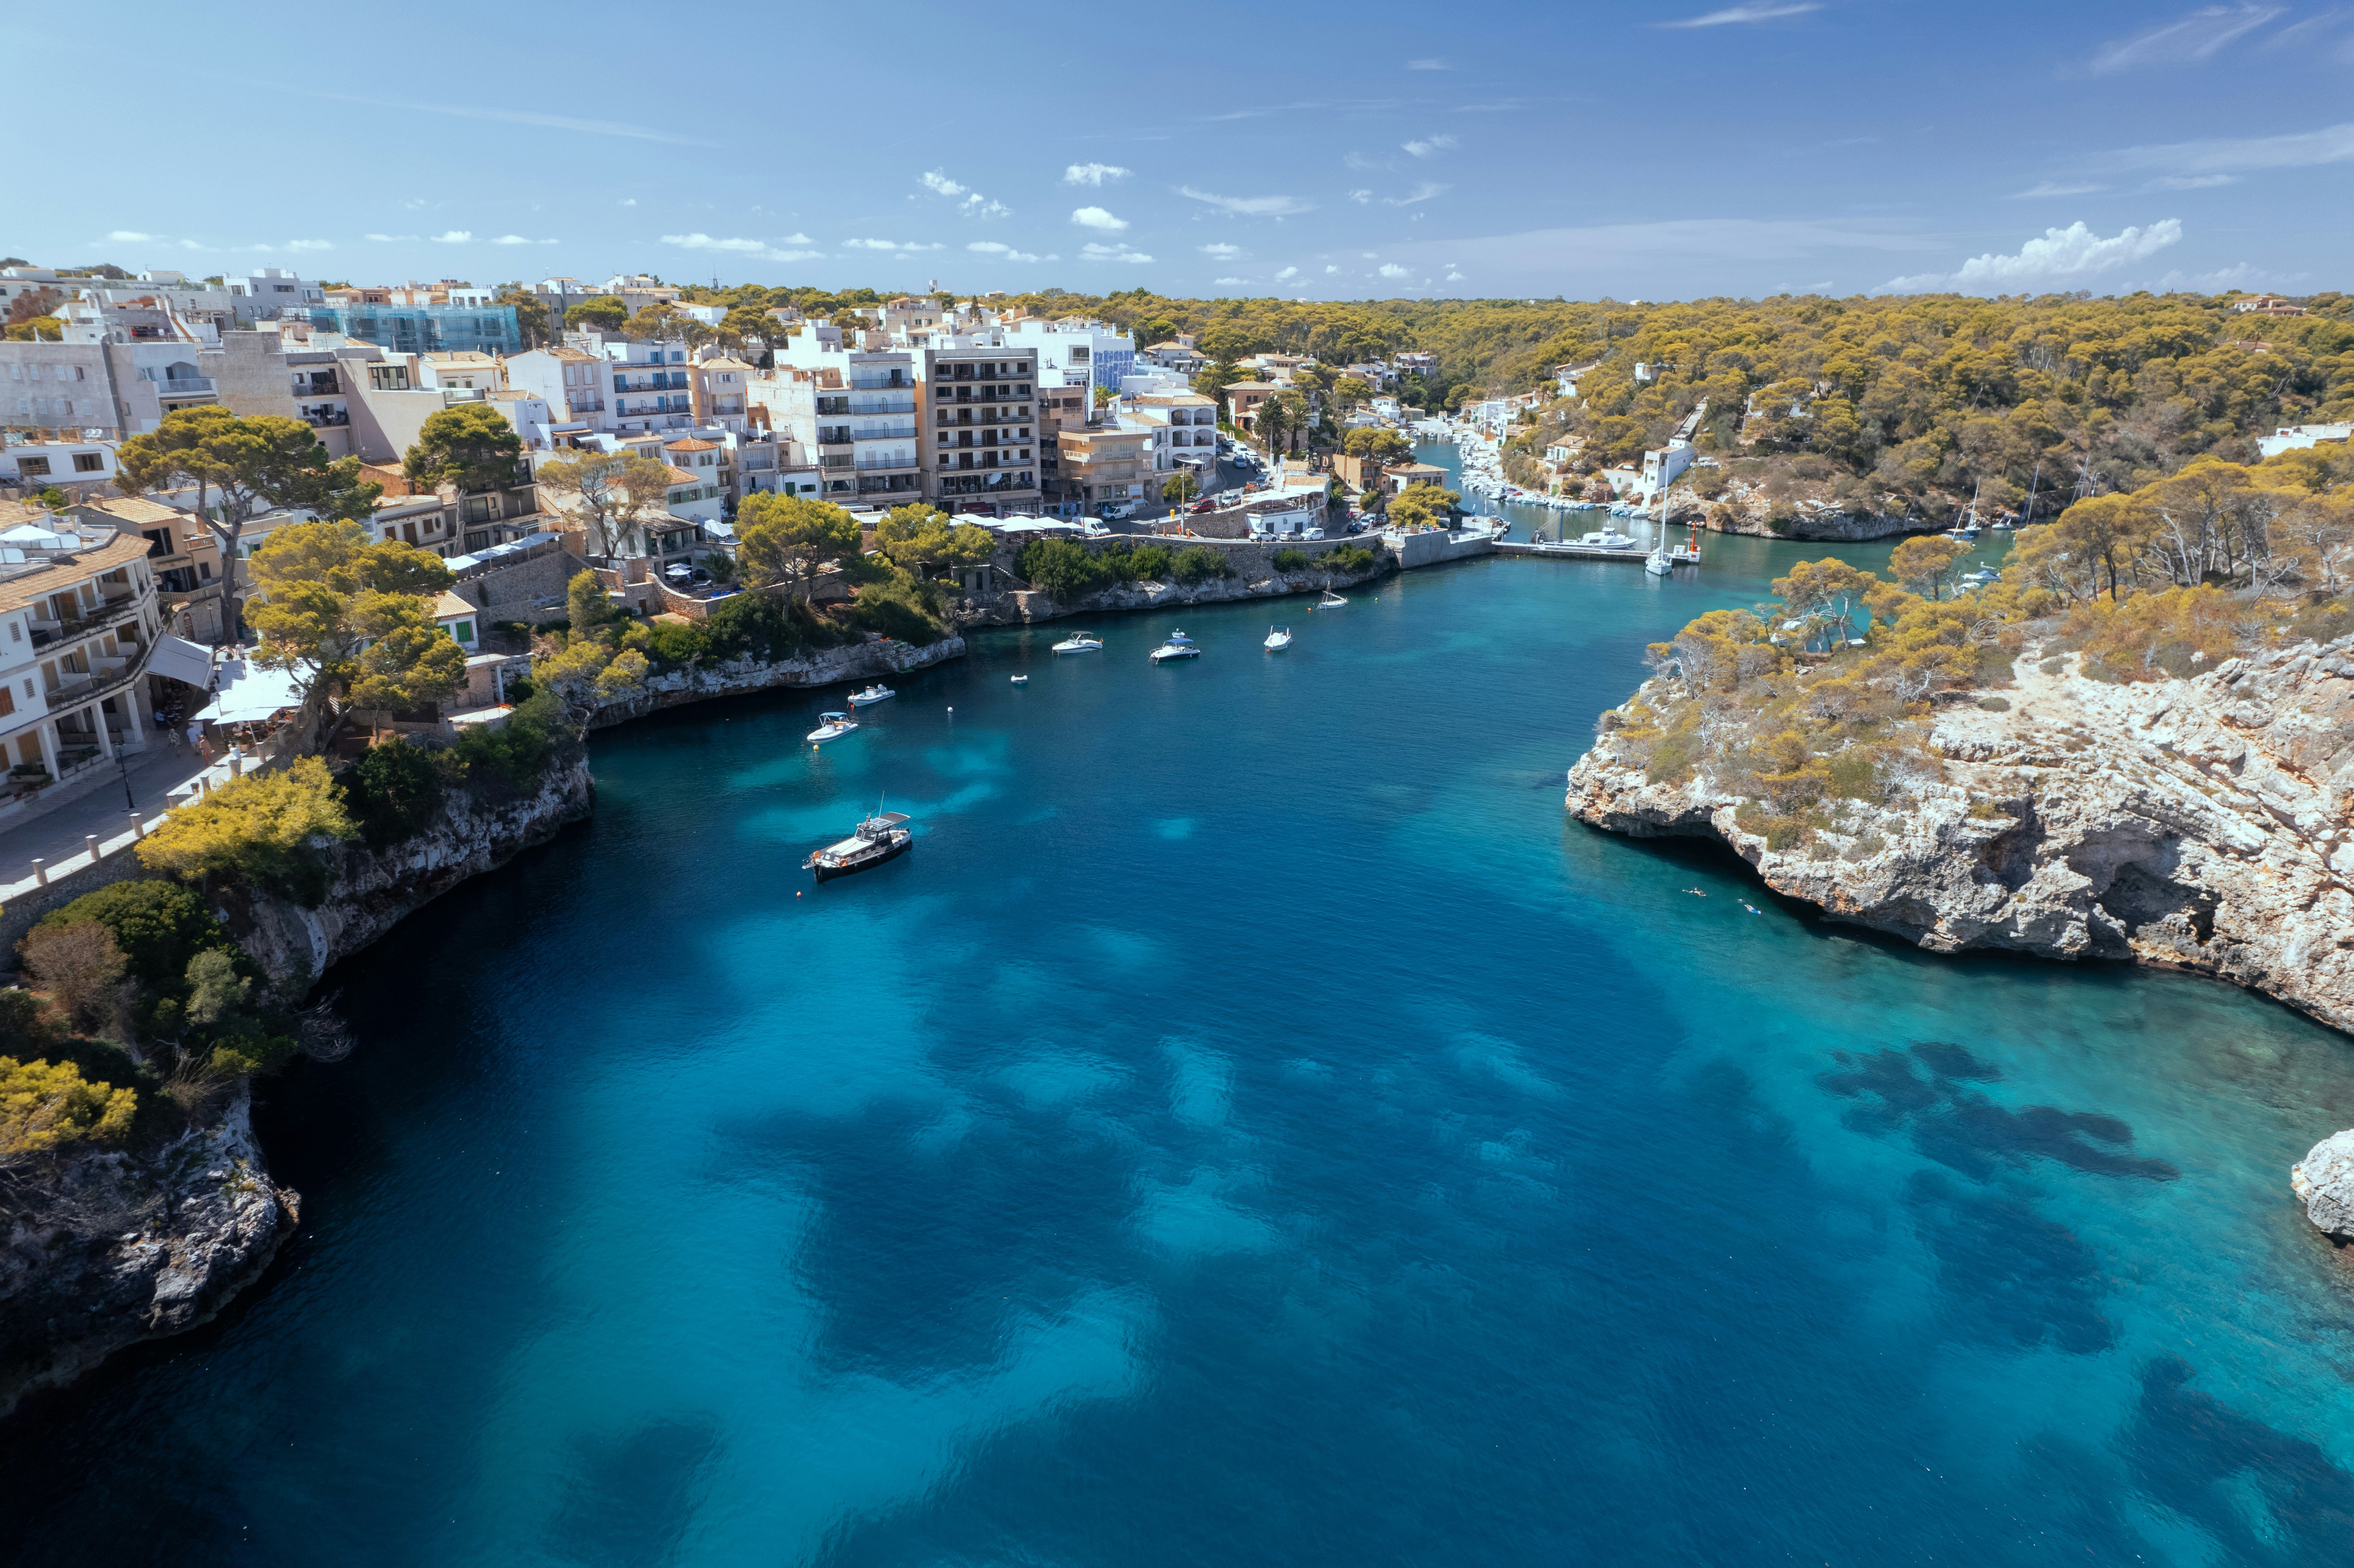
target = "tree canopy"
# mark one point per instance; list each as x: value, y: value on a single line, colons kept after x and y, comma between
x: 471, y: 446
x: 609, y: 490
x: 782, y: 539
x: 348, y: 619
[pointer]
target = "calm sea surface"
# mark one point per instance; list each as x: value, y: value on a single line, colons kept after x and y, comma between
x: 1253, y: 1127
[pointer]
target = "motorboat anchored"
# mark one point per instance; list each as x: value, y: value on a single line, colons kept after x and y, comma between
x: 877, y: 693
x: 831, y: 726
x: 883, y: 836
x: 1179, y: 646
x: 1331, y: 600
x: 1080, y: 642
x: 1021, y: 680
x: 1279, y: 638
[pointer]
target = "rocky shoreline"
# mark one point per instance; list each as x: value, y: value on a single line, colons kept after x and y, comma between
x: 1805, y: 522
x: 2200, y: 825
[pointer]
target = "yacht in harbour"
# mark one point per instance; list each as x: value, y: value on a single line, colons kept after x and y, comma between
x: 831, y: 726
x: 1279, y: 638
x: 1179, y: 646
x: 883, y: 836
x: 877, y: 693
x: 1080, y: 642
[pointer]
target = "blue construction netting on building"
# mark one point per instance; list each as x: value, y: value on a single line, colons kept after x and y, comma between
x: 425, y: 329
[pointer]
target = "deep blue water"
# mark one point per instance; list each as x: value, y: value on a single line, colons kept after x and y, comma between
x: 1252, y: 1126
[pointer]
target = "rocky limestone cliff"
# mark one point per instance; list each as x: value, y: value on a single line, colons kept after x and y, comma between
x: 370, y: 891
x: 1024, y: 607
x: 1818, y: 522
x: 2324, y: 1182
x: 112, y: 1249
x: 867, y: 661
x: 2198, y: 824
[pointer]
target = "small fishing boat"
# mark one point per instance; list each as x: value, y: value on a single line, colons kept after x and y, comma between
x: 1331, y: 600
x: 1080, y: 642
x: 883, y: 836
x: 831, y: 726
x: 1179, y: 646
x: 879, y: 693
x: 1279, y: 638
x: 1607, y: 539
x: 1021, y: 680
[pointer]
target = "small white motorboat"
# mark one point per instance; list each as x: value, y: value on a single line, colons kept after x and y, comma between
x: 1607, y: 539
x: 1279, y: 638
x: 879, y: 693
x: 832, y: 726
x: 1179, y: 646
x: 1021, y: 680
x: 1080, y: 642
x: 1331, y: 600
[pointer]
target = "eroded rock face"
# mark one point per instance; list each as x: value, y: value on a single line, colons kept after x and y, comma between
x: 2324, y: 1182
x: 856, y: 661
x: 2202, y: 824
x: 112, y: 1250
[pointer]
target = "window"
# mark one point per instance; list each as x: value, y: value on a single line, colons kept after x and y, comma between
x: 463, y: 630
x: 33, y: 467
x: 7, y: 701
x: 88, y: 463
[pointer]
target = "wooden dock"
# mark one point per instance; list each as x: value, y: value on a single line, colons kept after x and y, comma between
x: 1576, y: 552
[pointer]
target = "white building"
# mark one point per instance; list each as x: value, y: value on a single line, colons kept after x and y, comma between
x: 73, y: 467
x: 2293, y: 437
x: 1080, y: 352
x: 264, y: 294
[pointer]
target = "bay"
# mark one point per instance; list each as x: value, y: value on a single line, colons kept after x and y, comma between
x: 1254, y: 1124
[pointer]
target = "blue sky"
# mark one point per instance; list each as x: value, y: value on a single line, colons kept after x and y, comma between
x: 1318, y: 150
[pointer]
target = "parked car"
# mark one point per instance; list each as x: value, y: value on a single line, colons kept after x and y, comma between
x: 1205, y: 505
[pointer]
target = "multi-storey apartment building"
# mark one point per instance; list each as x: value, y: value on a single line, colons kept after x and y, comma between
x: 652, y: 388
x: 979, y: 442
x: 420, y: 329
x: 1105, y: 465
x: 78, y: 629
x: 1184, y: 425
x: 717, y: 385
x: 851, y: 410
x: 1084, y: 351
x: 575, y: 383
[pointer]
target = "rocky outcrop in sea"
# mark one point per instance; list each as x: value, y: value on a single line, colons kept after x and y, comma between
x: 109, y: 1249
x: 2198, y: 825
x: 2324, y: 1182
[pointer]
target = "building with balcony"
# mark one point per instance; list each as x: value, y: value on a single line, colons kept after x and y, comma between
x: 852, y: 412
x: 1183, y: 426
x: 717, y: 383
x: 420, y: 329
x: 1105, y: 465
x: 463, y: 369
x: 980, y: 427
x: 651, y: 386
x: 182, y: 556
x: 79, y: 627
x: 73, y: 467
x: 576, y: 385
x: 1081, y: 352
x: 270, y: 293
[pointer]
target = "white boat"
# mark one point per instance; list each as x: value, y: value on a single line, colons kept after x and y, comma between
x: 1179, y: 646
x: 1608, y: 539
x: 1331, y: 600
x: 1279, y: 638
x: 833, y: 727
x: 1080, y: 642
x: 1021, y: 680
x: 879, y: 693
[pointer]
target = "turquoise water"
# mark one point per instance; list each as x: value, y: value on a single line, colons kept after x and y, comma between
x: 1252, y: 1126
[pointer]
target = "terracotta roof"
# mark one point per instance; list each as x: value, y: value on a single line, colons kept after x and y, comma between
x: 448, y: 605
x: 139, y: 512
x: 54, y: 575
x: 679, y: 476
x: 722, y: 363
x: 691, y: 444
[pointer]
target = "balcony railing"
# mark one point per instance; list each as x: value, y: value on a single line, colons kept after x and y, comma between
x: 833, y: 435
x: 906, y: 432
x: 878, y: 406
x: 897, y: 379
x: 114, y: 612
x: 330, y: 419
x: 185, y: 387
x: 317, y: 386
x: 984, y: 483
x: 835, y: 462
x: 867, y: 464
x: 104, y: 684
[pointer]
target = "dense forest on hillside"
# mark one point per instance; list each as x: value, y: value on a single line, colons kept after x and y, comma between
x: 1898, y: 398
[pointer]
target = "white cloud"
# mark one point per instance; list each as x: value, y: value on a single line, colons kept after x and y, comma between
x: 316, y: 245
x: 1329, y: 272
x: 1097, y: 217
x: 1286, y: 275
x: 1111, y: 253
x: 792, y: 247
x: 522, y: 117
x: 2304, y: 149
x: 1392, y: 269
x: 1231, y: 283
x: 1429, y: 65
x: 2057, y: 188
x: 1453, y: 276
x: 1250, y: 207
x: 519, y: 240
x: 1422, y: 193
x: 997, y: 247
x: 2242, y: 276
x: 939, y: 183
x: 1361, y: 197
x: 1222, y: 251
x: 2194, y: 38
x: 1430, y: 146
x: 1735, y: 16
x: 2058, y: 256
x: 629, y: 201
x: 893, y: 245
x: 969, y: 201
x: 132, y: 236
x: 1094, y: 174
x: 2191, y: 182
x: 453, y: 236
x: 389, y: 238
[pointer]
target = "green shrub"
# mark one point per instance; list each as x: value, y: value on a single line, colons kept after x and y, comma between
x: 1995, y: 705
x: 1673, y: 757
x: 1149, y: 562
x: 1855, y: 774
x: 1350, y: 559
x: 2054, y: 666
x: 760, y: 627
x: 1290, y: 560
x: 676, y: 644
x: 159, y: 925
x: 516, y: 752
x: 1198, y: 564
x: 1064, y: 567
x: 2325, y: 623
x: 1986, y: 811
x: 897, y: 605
x: 393, y: 792
x: 258, y: 828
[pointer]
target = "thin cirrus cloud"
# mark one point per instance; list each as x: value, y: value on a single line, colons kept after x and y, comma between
x: 523, y: 117
x: 1007, y: 254
x: 520, y: 240
x: 1743, y: 16
x: 143, y: 236
x: 1111, y: 253
x: 2056, y: 188
x: 792, y: 247
x: 1430, y: 146
x: 2195, y: 37
x: 1220, y: 250
x: 1249, y: 207
x: 1098, y: 219
x: 1094, y: 174
x: 1422, y: 193
x: 2298, y: 150
x: 2191, y: 182
x: 1361, y: 197
x: 2055, y: 257
x: 899, y: 246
